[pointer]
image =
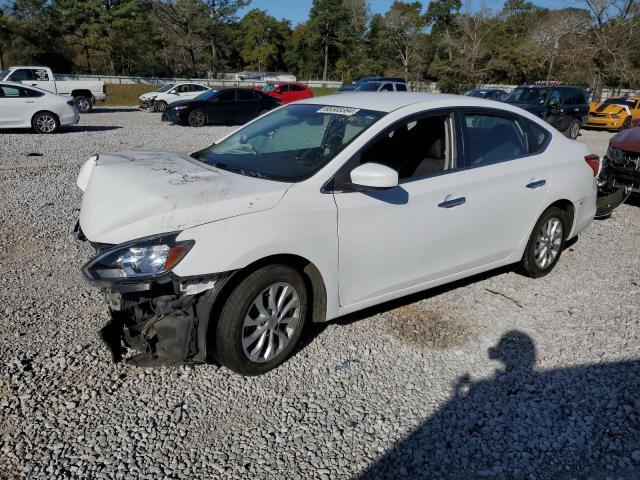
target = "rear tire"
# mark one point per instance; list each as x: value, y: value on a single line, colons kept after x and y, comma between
x: 573, y: 130
x: 45, y: 122
x: 197, y: 118
x: 626, y: 124
x: 160, y: 106
x: 83, y: 104
x: 546, y: 243
x: 261, y: 320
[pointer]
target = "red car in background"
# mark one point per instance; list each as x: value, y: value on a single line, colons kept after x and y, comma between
x: 287, y: 91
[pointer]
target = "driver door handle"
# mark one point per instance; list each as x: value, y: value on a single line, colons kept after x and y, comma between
x: 452, y: 203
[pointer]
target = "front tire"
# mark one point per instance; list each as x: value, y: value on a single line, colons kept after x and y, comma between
x: 84, y: 104
x: 262, y: 320
x: 546, y: 243
x: 197, y: 118
x: 160, y: 106
x: 45, y: 122
x: 626, y: 124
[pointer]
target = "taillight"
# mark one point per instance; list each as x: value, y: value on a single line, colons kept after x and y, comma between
x: 594, y: 162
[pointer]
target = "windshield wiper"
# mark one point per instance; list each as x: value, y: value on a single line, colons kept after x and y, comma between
x: 241, y: 171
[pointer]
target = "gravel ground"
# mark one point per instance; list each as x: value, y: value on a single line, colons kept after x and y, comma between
x: 499, y: 376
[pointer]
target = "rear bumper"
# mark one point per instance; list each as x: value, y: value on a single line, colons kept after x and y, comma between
x: 70, y: 118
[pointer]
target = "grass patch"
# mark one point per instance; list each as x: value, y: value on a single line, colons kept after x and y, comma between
x: 127, y: 94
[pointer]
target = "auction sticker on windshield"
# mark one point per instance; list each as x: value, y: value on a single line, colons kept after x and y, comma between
x: 348, y: 111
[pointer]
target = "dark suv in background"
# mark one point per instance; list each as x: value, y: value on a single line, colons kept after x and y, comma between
x: 564, y: 107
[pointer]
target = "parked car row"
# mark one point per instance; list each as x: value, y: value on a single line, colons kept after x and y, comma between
x: 84, y: 92
x: 567, y: 108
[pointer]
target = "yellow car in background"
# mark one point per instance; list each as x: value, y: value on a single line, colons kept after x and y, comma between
x: 614, y: 113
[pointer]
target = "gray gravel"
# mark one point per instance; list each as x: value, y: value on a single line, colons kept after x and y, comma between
x: 410, y: 389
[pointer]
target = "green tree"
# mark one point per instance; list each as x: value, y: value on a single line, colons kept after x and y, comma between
x: 263, y: 40
x: 328, y: 24
x: 405, y: 27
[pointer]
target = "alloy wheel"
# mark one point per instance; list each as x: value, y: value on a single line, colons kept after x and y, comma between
x: 574, y: 130
x: 197, y: 118
x: 46, y: 123
x: 548, y: 243
x: 271, y: 322
x: 83, y: 105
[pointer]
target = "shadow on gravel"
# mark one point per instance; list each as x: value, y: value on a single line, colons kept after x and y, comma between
x: 573, y: 423
x: 633, y: 200
x: 88, y: 128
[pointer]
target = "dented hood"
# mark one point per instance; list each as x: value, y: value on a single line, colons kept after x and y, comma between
x: 627, y: 140
x: 129, y: 195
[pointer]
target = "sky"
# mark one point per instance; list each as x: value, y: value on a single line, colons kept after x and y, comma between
x: 298, y: 10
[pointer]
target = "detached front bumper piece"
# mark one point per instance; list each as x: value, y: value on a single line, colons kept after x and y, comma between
x: 164, y: 329
x: 167, y: 325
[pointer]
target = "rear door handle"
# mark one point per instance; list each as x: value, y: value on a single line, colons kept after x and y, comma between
x: 452, y: 203
x: 537, y: 184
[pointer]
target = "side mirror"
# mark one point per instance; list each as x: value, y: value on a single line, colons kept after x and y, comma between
x: 374, y: 176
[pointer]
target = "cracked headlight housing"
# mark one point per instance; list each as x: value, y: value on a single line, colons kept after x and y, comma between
x: 144, y: 259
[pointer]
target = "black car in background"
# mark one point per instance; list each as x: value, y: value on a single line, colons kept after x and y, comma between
x: 564, y: 107
x: 363, y: 80
x: 229, y: 106
x: 488, y: 93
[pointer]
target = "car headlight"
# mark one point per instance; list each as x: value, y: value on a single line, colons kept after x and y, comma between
x: 146, y: 258
x: 615, y: 154
x: 181, y: 107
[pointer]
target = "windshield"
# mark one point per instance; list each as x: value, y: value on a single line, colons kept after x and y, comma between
x: 620, y: 101
x: 368, y: 87
x: 477, y: 93
x: 203, y: 97
x: 290, y: 144
x: 528, y: 95
x: 269, y: 86
x: 166, y: 88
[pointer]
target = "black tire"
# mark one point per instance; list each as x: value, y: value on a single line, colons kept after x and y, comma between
x: 231, y: 322
x: 83, y: 104
x: 197, y: 118
x: 626, y: 124
x: 528, y: 264
x: 160, y: 106
x: 45, y: 123
x: 573, y: 130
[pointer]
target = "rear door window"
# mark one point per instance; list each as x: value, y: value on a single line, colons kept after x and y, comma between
x: 491, y: 138
x: 387, y: 87
x: 22, y: 74
x: 401, y: 87
x: 245, y: 96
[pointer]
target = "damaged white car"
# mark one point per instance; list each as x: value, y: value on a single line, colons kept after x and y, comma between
x: 321, y: 208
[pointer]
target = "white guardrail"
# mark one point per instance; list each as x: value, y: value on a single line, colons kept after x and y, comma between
x: 124, y: 80
x: 418, y: 86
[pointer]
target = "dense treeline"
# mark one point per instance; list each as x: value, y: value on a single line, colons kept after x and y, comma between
x: 596, y: 42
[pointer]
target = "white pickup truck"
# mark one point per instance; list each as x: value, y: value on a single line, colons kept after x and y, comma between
x: 84, y: 92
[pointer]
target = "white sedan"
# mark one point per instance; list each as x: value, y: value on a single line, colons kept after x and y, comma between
x: 321, y: 208
x: 160, y: 99
x: 31, y: 107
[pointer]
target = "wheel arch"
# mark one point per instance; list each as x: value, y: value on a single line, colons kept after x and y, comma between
x: 81, y: 92
x: 568, y: 207
x: 211, y: 303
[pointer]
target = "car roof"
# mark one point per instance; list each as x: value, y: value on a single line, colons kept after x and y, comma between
x: 390, y: 101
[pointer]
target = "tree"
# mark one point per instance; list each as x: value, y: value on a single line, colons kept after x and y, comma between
x: 610, y: 36
x: 220, y: 14
x: 440, y: 16
x: 405, y: 25
x: 263, y: 40
x: 328, y: 22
